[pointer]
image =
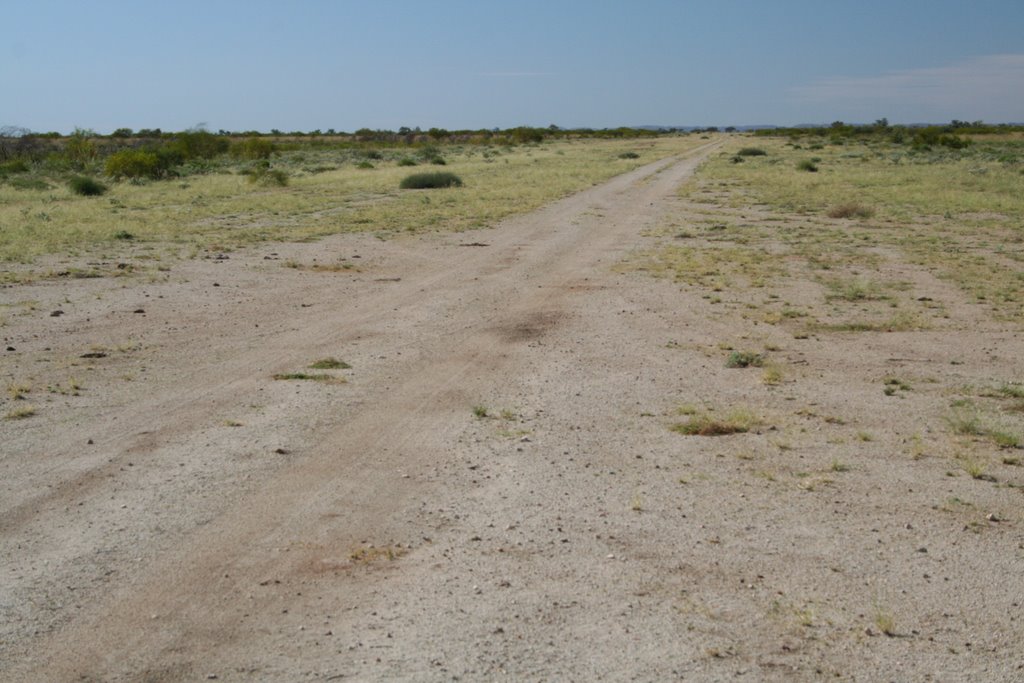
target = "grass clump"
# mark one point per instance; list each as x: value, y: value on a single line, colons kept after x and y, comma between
x: 736, y: 422
x: 424, y: 181
x: 21, y: 413
x: 629, y: 155
x: 851, y: 210
x: 772, y: 375
x: 744, y: 359
x: 480, y: 411
x: 329, y: 364
x: 86, y: 187
x: 262, y: 174
x: 807, y: 165
x: 315, y: 377
x: 751, y: 152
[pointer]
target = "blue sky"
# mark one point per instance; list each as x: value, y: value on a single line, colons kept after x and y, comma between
x: 243, y: 65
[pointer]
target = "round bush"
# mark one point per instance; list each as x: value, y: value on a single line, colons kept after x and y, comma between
x: 421, y: 181
x: 86, y: 187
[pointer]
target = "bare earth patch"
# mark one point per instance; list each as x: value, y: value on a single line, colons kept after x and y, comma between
x: 493, y: 489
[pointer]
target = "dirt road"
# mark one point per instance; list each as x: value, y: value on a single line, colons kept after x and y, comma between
x: 492, y: 493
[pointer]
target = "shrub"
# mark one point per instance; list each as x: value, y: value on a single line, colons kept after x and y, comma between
x: 253, y: 148
x: 438, y: 161
x: 807, y: 165
x: 198, y: 144
x: 629, y: 155
x: 752, y: 152
x: 420, y: 181
x: 86, y: 186
x: 271, y: 177
x: 79, y: 149
x: 134, y: 163
x: 12, y: 167
x: 851, y: 210
x: 364, y: 164
x: 406, y: 161
x: 744, y: 359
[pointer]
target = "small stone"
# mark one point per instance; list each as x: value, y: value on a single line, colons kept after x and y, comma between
x: 57, y: 313
x: 992, y: 517
x: 139, y: 310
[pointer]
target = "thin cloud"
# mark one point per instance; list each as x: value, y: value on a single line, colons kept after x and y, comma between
x: 993, y: 84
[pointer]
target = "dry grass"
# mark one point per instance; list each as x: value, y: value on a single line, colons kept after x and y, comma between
x: 955, y: 215
x: 223, y: 210
x: 735, y: 422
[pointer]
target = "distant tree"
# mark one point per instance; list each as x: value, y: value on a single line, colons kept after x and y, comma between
x: 122, y: 133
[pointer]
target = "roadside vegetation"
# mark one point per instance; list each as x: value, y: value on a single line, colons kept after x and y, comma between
x: 176, y: 194
x: 872, y: 262
x: 946, y: 200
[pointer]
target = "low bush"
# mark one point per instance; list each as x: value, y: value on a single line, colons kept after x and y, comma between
x: 406, y: 161
x: 629, y: 155
x: 421, y: 181
x: 744, y: 359
x: 87, y: 187
x: 807, y: 165
x: 262, y: 174
x: 752, y: 152
x: 851, y: 210
x: 12, y: 167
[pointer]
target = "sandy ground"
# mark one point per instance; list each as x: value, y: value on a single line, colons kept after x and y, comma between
x: 172, y: 512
